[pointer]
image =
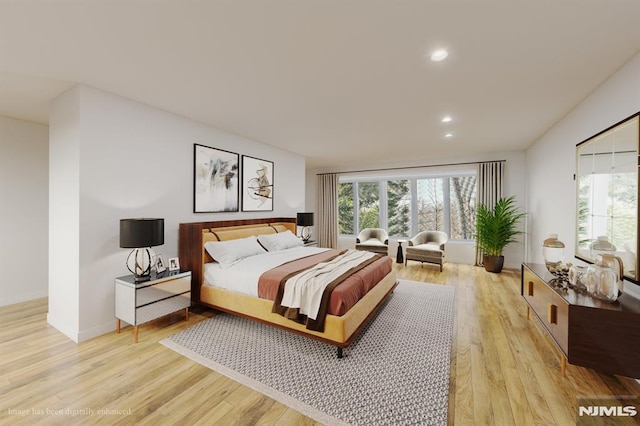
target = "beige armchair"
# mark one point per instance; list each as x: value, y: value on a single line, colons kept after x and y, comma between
x: 427, y: 246
x: 373, y: 239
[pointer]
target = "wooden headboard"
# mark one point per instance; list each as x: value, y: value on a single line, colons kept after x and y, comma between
x: 190, y: 244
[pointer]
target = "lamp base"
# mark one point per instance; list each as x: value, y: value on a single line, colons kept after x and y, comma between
x: 139, y: 264
x: 306, y: 233
x: 141, y: 278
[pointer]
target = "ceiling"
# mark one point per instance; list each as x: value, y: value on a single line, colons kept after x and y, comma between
x: 341, y: 82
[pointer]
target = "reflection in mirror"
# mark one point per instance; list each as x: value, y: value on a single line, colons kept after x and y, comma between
x: 607, y: 195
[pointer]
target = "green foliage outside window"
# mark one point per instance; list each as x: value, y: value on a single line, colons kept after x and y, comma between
x: 346, y: 217
x: 369, y: 211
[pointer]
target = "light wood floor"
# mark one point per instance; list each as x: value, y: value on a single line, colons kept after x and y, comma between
x: 505, y: 370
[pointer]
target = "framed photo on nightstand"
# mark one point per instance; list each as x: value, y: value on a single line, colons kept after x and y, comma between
x: 174, y: 264
x: 161, y: 264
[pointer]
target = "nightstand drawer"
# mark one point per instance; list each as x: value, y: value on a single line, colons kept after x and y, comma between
x: 140, y: 302
x: 164, y: 290
x: 165, y: 307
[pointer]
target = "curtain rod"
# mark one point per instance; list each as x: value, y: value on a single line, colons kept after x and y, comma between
x: 411, y: 167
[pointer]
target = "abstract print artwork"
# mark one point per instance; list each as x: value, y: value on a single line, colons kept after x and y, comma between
x: 215, y: 180
x: 257, y: 184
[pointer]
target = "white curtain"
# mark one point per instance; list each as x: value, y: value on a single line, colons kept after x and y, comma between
x: 490, y: 182
x: 328, y: 210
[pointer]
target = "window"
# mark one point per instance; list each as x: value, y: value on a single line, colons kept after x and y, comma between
x: 369, y: 202
x: 462, y: 204
x: 399, y: 207
x: 430, y: 205
x: 406, y: 206
x: 346, y: 212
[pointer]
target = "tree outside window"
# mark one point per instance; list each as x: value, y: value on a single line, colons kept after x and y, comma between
x: 346, y: 211
x: 431, y: 205
x: 369, y: 211
x: 463, y: 207
x: 399, y: 207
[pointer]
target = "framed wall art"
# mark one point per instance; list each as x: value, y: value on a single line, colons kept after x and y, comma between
x: 215, y: 180
x: 257, y: 184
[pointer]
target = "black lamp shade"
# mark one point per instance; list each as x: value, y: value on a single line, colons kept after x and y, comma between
x: 138, y: 233
x: 305, y: 219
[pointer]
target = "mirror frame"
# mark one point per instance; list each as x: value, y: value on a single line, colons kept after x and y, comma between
x: 635, y: 279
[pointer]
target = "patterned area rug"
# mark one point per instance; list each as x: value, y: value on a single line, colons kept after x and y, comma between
x: 396, y: 372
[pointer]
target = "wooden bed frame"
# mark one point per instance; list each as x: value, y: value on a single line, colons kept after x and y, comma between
x: 339, y: 331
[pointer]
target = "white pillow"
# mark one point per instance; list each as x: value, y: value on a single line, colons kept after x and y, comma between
x: 226, y: 253
x: 280, y: 241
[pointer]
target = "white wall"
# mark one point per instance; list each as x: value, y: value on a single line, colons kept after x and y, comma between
x: 24, y: 203
x: 514, y: 184
x: 64, y: 213
x: 136, y: 161
x: 551, y: 195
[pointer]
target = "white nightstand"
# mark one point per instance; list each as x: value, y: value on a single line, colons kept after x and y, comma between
x: 137, y: 303
x: 310, y: 243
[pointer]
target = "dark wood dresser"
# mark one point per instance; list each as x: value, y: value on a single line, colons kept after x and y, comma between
x: 589, y: 332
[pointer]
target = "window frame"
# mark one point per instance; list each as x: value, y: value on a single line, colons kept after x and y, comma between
x: 413, y: 179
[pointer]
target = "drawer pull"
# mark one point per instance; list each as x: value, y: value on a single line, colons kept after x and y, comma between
x: 552, y: 314
x: 530, y: 288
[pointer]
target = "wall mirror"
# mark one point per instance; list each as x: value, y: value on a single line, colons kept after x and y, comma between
x: 607, y: 195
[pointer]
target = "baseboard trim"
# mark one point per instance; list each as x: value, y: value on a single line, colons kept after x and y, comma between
x: 96, y: 331
x: 84, y: 335
x: 13, y: 300
x: 62, y: 328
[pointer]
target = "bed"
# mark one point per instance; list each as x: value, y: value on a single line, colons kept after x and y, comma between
x: 337, y: 330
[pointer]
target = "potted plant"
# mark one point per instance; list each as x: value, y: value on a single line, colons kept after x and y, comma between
x: 495, y: 229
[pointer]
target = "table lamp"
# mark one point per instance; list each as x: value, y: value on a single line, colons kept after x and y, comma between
x: 141, y: 234
x: 305, y: 220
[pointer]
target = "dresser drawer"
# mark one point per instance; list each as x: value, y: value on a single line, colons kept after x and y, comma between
x: 557, y: 320
x: 551, y: 309
x: 535, y: 292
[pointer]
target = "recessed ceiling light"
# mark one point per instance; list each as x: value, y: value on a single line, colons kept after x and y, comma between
x: 448, y: 135
x: 447, y: 119
x: 439, y: 55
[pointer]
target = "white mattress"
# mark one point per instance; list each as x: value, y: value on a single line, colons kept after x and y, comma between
x: 243, y: 276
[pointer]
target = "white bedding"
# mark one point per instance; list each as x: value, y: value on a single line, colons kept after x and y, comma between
x: 243, y: 276
x: 305, y: 289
